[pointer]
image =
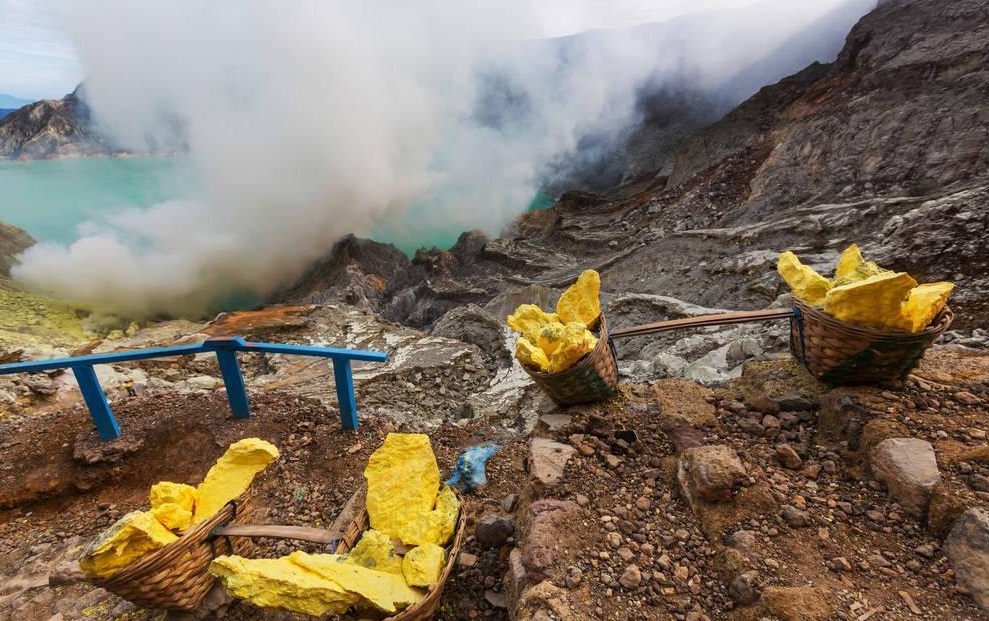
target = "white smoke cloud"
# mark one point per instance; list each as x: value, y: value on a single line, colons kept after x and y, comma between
x: 311, y: 119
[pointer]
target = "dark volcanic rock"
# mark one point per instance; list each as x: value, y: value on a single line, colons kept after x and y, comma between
x: 356, y: 272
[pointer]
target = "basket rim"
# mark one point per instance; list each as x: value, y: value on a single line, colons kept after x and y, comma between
x: 938, y: 324
x: 197, y: 535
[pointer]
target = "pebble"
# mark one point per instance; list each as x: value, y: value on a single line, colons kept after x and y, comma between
x: 840, y: 563
x: 875, y: 516
x: 794, y: 517
x: 574, y: 576
x: 967, y: 398
x: 582, y: 500
x: 743, y: 589
x: 631, y: 578
x: 927, y: 550
x: 788, y: 457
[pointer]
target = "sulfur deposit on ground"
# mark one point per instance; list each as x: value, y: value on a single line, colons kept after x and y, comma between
x: 33, y: 320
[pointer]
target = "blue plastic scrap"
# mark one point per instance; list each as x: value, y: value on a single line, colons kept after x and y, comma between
x: 469, y: 472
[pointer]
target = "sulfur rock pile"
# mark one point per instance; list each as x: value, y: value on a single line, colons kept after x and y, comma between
x: 405, y: 505
x: 174, y: 508
x: 553, y: 342
x: 864, y: 294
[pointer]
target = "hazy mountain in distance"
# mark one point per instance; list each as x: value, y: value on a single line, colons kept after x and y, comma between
x: 9, y: 102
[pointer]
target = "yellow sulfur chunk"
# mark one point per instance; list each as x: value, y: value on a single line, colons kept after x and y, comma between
x: 530, y: 354
x: 580, y: 302
x: 402, y: 482
x: 423, y: 565
x: 848, y: 261
x: 923, y: 303
x: 136, y: 534
x: 384, y: 591
x: 575, y: 342
x: 434, y: 526
x: 860, y: 272
x: 870, y: 302
x: 179, y: 494
x: 550, y: 337
x: 529, y: 320
x: 231, y: 475
x: 803, y: 281
x: 375, y: 551
x: 172, y: 516
x: 281, y: 584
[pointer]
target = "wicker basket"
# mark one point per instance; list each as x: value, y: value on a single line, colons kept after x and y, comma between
x: 592, y: 378
x: 425, y: 608
x: 176, y: 577
x: 841, y: 353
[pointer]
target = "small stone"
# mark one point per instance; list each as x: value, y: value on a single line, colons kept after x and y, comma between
x: 926, y: 550
x: 625, y: 554
x: 811, y: 471
x: 788, y: 457
x: 967, y: 548
x: 643, y: 504
x: 574, y: 576
x: 840, y: 563
x: 466, y: 559
x: 794, y: 517
x: 582, y: 500
x: 744, y: 540
x: 497, y: 599
x: 548, y: 459
x: 631, y: 578
x: 966, y: 398
x: 508, y: 502
x: 875, y: 515
x: 494, y: 531
x: 879, y: 560
x: 978, y: 482
x: 909, y: 469
x: 744, y: 588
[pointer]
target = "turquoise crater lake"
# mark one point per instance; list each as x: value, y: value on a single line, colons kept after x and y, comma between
x: 52, y: 199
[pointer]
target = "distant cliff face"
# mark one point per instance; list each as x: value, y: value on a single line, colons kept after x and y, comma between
x: 51, y: 128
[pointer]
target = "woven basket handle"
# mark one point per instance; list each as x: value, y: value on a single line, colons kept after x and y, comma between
x: 703, y: 320
x: 304, y: 533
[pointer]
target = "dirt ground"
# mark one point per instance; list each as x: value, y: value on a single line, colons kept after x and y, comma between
x: 60, y: 487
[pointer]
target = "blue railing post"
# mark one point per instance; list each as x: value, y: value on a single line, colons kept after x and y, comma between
x: 95, y: 399
x: 233, y: 380
x: 344, y: 377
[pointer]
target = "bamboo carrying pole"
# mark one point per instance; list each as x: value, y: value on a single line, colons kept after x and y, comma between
x: 703, y: 321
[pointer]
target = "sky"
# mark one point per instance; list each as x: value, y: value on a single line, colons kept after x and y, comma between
x: 37, y: 61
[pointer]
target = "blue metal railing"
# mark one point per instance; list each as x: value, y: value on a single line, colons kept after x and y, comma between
x: 226, y: 349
